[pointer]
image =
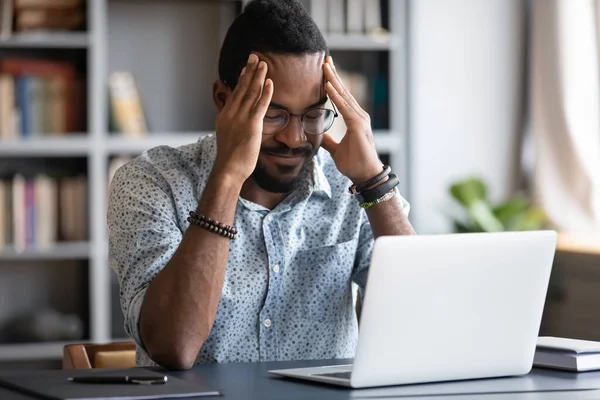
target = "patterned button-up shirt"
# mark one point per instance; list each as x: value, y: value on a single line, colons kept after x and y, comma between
x: 287, y: 292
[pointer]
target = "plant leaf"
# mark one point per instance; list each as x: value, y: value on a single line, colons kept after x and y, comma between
x: 510, y: 209
x: 532, y: 219
x: 482, y: 214
x: 468, y: 191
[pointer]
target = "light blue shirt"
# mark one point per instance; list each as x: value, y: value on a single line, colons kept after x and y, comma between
x: 287, y: 293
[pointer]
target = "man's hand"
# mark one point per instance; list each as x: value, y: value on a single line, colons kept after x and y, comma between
x: 239, y: 125
x: 355, y: 155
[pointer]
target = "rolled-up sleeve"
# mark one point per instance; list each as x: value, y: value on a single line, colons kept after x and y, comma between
x: 143, y: 234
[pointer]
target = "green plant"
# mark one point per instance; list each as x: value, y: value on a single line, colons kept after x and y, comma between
x: 514, y: 214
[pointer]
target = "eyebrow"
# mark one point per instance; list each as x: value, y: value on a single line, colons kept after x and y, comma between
x: 317, y: 104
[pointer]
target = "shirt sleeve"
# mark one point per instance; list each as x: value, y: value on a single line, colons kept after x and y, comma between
x: 143, y: 234
x: 365, y: 247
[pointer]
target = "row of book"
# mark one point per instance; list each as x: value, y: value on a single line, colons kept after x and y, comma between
x: 40, y: 15
x: 348, y: 16
x: 36, y: 212
x: 39, y: 97
x: 370, y: 91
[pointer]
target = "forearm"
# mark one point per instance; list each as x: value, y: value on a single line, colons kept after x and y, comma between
x: 180, y: 304
x: 388, y: 218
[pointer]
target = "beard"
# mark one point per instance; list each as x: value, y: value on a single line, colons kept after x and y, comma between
x: 274, y: 184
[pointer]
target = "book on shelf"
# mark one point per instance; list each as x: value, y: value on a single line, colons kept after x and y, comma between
x: 49, y: 19
x: 370, y: 93
x: 6, y: 18
x: 47, y: 15
x: 126, y: 110
x: 348, y: 16
x: 39, y: 97
x: 38, y: 211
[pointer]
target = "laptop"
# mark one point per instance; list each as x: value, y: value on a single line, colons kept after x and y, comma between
x: 447, y: 307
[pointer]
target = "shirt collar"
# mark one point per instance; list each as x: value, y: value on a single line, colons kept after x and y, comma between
x: 317, y: 180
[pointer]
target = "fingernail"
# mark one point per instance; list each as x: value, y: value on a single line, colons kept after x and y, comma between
x: 243, y: 71
x: 251, y: 58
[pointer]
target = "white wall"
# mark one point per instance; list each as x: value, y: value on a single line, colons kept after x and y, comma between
x: 465, y: 100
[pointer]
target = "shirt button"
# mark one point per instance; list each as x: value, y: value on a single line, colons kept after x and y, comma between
x: 268, y: 218
x: 267, y: 323
x: 276, y: 268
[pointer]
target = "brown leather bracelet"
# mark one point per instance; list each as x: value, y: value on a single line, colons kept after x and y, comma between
x: 356, y: 189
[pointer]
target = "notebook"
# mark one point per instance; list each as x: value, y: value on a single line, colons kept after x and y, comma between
x: 53, y: 385
x: 567, y: 354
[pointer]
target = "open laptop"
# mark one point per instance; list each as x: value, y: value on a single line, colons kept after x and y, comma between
x: 447, y: 307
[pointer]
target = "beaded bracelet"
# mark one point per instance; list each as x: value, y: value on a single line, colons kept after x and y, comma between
x: 212, y: 225
x: 368, y: 204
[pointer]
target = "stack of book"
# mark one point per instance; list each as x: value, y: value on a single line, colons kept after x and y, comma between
x: 36, y: 212
x: 40, y: 15
x: 348, y: 16
x: 567, y: 354
x: 38, y: 97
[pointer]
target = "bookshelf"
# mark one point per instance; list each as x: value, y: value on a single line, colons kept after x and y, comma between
x: 171, y: 47
x: 46, y: 41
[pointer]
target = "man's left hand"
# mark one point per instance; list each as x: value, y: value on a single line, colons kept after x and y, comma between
x: 355, y: 155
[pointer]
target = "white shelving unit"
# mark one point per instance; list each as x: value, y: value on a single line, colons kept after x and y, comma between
x: 98, y: 145
x: 44, y: 146
x: 356, y: 42
x: 60, y: 251
x: 47, y: 40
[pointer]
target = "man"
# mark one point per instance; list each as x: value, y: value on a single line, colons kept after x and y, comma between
x: 262, y: 267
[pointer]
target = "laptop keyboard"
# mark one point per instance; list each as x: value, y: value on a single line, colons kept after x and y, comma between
x: 341, y: 375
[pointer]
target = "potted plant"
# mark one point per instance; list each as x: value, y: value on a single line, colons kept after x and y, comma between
x: 480, y: 215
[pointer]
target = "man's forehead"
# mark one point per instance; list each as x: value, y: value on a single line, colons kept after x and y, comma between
x: 298, y: 67
x: 298, y: 80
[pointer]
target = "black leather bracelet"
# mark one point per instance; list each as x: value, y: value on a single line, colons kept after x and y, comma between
x: 377, y: 192
x: 355, y: 189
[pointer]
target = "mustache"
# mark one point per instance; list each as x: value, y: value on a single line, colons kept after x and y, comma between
x: 304, y: 150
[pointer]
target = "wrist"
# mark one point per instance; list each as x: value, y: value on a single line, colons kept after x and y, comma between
x: 225, y: 182
x: 366, y: 174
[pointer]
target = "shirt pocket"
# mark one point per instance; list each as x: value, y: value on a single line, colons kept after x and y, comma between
x: 324, y: 277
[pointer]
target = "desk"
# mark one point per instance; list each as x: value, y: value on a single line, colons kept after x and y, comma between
x: 252, y: 381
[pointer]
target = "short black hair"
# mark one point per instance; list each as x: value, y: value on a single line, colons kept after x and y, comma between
x: 268, y: 26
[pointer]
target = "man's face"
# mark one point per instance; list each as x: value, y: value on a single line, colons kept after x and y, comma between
x: 298, y: 86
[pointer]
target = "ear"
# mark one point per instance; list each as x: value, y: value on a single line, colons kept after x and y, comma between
x: 220, y: 93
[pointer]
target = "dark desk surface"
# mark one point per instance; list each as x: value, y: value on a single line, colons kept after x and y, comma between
x: 252, y: 381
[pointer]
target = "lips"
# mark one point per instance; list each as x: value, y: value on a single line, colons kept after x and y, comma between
x: 286, y: 155
x: 285, y: 158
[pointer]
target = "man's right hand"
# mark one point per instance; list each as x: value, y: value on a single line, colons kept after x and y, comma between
x: 239, y: 125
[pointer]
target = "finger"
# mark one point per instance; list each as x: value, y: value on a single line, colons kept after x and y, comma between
x: 244, y: 81
x: 262, y: 104
x: 255, y: 89
x: 329, y: 143
x: 348, y: 112
x: 336, y: 81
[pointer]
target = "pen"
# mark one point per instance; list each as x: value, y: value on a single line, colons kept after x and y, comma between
x: 140, y: 380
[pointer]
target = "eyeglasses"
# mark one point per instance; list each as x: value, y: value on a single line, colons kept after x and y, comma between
x: 315, y: 121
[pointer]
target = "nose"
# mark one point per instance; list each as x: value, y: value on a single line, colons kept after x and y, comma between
x: 292, y: 135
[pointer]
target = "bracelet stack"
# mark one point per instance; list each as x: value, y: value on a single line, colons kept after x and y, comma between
x: 211, y: 225
x: 368, y: 196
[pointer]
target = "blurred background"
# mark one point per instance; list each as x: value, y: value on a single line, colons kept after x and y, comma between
x: 488, y: 111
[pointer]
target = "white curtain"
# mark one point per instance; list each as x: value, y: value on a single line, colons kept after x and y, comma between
x: 565, y: 112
